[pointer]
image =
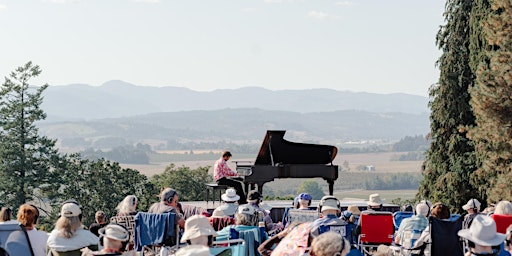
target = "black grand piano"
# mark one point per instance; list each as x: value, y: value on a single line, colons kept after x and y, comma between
x: 279, y: 158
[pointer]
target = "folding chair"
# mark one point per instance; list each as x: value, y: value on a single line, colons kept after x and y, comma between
x: 444, y: 239
x: 129, y: 223
x: 399, y: 216
x: 155, y: 230
x: 502, y: 222
x: 218, y: 223
x: 232, y: 247
x: 376, y: 228
x: 301, y: 216
x: 14, y: 240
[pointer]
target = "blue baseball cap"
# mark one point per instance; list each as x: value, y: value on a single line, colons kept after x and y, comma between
x: 305, y: 196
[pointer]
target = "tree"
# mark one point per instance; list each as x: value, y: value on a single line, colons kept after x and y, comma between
x: 190, y: 184
x: 491, y: 102
x: 312, y: 188
x: 99, y: 185
x: 26, y: 157
x: 450, y: 158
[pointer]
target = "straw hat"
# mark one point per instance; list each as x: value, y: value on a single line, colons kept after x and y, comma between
x: 230, y: 196
x: 482, y: 232
x: 374, y: 200
x: 354, y: 209
x: 196, y: 226
x: 194, y: 250
x: 115, y: 231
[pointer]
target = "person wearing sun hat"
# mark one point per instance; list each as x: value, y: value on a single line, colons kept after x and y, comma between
x: 194, y: 250
x: 68, y: 235
x: 198, y: 231
x: 229, y: 205
x: 114, y: 239
x: 482, y: 236
x: 374, y: 202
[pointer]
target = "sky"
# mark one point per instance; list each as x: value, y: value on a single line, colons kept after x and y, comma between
x: 379, y: 46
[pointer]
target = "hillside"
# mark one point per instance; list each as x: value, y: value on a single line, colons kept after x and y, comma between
x: 121, y: 99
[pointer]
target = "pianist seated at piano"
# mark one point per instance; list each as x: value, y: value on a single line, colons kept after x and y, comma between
x: 223, y: 175
x: 329, y: 207
x: 254, y: 199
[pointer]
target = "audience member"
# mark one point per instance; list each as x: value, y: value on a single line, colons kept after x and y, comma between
x: 127, y: 207
x: 304, y: 201
x: 229, y: 205
x: 194, y: 250
x: 268, y: 245
x: 374, y: 203
x: 351, y: 215
x: 198, y: 231
x: 417, y: 222
x: 168, y: 203
x: 101, y: 221
x: 6, y: 216
x: 27, y: 216
x: 222, y: 174
x: 254, y: 199
x: 407, y: 208
x: 482, y: 236
x: 439, y: 211
x: 508, y: 241
x: 473, y: 208
x: 503, y: 207
x: 114, y: 239
x: 329, y: 244
x: 68, y: 235
x: 329, y: 206
x: 246, y: 218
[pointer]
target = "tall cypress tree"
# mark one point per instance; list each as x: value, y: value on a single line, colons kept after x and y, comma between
x: 492, y: 97
x: 451, y: 157
x: 26, y: 157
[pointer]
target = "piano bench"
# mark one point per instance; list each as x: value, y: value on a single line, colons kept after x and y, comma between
x: 214, y: 187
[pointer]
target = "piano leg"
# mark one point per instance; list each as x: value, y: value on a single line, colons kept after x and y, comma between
x: 331, y: 186
x: 260, y: 188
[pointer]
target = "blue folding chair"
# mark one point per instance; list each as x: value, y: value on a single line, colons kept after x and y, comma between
x: 14, y: 240
x: 399, y: 216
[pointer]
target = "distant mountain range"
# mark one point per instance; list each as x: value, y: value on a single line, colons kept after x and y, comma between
x: 118, y: 111
x: 121, y: 99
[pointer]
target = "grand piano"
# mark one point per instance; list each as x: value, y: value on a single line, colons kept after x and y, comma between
x: 279, y: 158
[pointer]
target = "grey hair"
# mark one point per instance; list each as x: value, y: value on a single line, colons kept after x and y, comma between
x: 503, y: 207
x: 67, y: 226
x: 329, y: 244
x: 245, y: 219
x: 129, y: 204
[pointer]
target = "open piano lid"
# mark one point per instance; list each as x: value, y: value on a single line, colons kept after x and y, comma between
x: 275, y: 150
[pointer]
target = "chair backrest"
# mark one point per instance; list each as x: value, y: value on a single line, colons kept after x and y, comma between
x: 218, y: 223
x: 376, y: 227
x: 155, y: 229
x: 398, y: 217
x: 66, y: 253
x: 126, y: 221
x: 445, y: 240
x: 231, y: 247
x: 340, y: 229
x: 14, y: 240
x: 301, y: 216
x: 502, y: 222
x: 252, y: 239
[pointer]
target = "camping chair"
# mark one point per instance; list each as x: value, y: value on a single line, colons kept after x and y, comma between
x: 252, y: 238
x: 444, y: 238
x: 301, y: 216
x: 231, y: 247
x: 502, y: 222
x: 155, y: 230
x: 218, y: 223
x: 376, y: 228
x: 399, y: 216
x: 14, y: 240
x: 129, y: 223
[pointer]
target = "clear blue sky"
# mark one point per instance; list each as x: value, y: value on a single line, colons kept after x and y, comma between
x: 381, y: 46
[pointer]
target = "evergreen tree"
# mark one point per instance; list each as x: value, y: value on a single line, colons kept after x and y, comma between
x: 491, y: 97
x: 26, y: 157
x: 451, y: 158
